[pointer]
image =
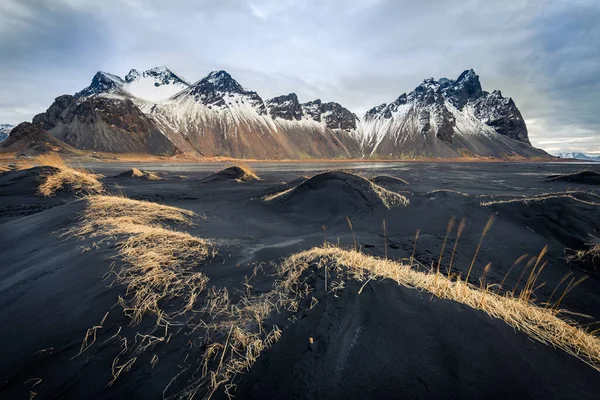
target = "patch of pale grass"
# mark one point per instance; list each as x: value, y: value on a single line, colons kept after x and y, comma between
x: 592, y: 253
x: 158, y: 261
x: 543, y: 197
x: 248, y: 174
x: 271, y: 197
x: 390, y: 199
x: 540, y: 323
x: 66, y: 177
x: 151, y: 176
x: 5, y: 168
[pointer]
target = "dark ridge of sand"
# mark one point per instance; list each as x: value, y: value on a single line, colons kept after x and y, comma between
x: 586, y: 177
x: 139, y: 174
x: 387, y: 181
x: 330, y: 195
x: 19, y: 193
x: 395, y: 342
x: 563, y: 219
x: 234, y: 173
x: 24, y: 182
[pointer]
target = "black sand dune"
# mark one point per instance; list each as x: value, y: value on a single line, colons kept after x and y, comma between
x: 139, y: 174
x: 234, y: 173
x: 19, y: 193
x: 389, y: 341
x: 567, y: 218
x: 586, y: 177
x: 330, y: 195
x: 394, y: 342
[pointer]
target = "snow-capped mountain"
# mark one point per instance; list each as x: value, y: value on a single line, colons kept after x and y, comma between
x: 156, y: 111
x: 578, y: 156
x: 5, y: 131
x: 447, y: 118
x: 217, y: 116
x: 155, y: 84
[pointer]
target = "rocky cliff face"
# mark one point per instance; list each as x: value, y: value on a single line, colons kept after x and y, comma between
x: 333, y: 115
x: 29, y: 139
x: 285, y: 107
x: 103, y: 124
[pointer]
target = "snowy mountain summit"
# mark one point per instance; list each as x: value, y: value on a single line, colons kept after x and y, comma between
x: 155, y: 84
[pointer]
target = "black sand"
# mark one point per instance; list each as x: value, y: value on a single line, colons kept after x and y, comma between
x: 387, y: 342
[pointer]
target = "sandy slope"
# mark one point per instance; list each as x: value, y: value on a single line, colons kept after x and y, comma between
x: 388, y: 341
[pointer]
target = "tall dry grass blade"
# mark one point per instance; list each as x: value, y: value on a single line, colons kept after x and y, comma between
x: 385, y: 240
x: 568, y: 289
x: 564, y: 278
x: 461, y: 227
x: 448, y: 230
x: 486, y: 229
x: 352, y: 230
x: 412, y: 257
x: 529, y: 264
x: 517, y: 262
x: 526, y: 292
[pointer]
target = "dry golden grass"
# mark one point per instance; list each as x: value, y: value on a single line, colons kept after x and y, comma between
x: 592, y: 253
x: 5, y: 168
x: 248, y: 173
x: 543, y: 197
x: 271, y: 197
x: 540, y: 323
x: 158, y: 262
x: 151, y: 176
x: 390, y: 199
x: 76, y: 179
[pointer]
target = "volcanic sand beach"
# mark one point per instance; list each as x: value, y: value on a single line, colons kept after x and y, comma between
x: 66, y: 312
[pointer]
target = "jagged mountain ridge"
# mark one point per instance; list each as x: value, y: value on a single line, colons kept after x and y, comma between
x: 218, y: 116
x: 447, y: 118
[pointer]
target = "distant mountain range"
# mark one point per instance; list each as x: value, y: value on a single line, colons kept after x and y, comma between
x: 4, y: 131
x: 159, y: 112
x: 578, y: 156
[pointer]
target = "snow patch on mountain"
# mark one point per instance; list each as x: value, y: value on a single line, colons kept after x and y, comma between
x: 155, y: 84
x: 5, y: 131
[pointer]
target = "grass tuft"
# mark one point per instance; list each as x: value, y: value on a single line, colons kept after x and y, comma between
x: 158, y: 261
x: 79, y: 180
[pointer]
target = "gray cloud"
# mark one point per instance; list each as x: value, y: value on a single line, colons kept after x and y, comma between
x: 359, y: 53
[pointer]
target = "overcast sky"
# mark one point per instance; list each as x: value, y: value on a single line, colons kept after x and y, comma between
x: 544, y: 54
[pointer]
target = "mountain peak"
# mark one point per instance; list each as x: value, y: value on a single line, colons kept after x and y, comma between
x: 102, y: 82
x: 466, y: 87
x: 285, y: 107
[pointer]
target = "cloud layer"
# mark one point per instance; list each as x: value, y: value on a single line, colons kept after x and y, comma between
x: 362, y: 53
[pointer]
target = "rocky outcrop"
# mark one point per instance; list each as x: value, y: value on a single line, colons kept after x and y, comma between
x: 285, y: 107
x: 332, y: 114
x: 104, y: 124
x: 28, y: 139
